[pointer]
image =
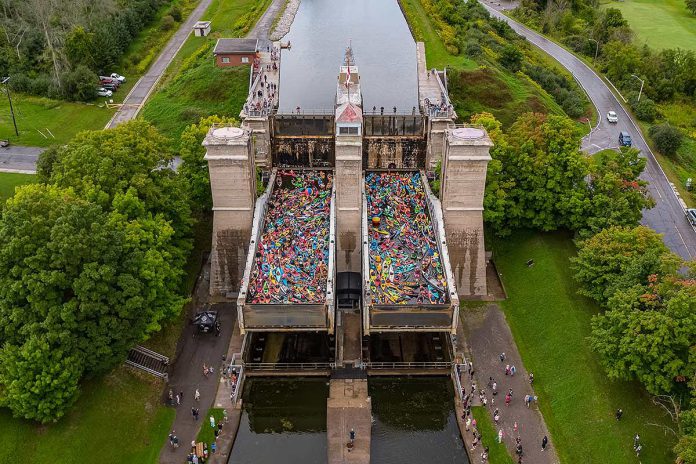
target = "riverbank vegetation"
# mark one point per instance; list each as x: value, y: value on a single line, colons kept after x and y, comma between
x: 669, y: 74
x: 491, y: 68
x: 193, y: 87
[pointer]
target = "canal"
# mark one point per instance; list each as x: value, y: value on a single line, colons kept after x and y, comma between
x: 414, y: 421
x: 384, y: 51
x: 283, y: 421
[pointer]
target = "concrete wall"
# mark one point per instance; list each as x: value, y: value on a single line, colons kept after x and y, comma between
x: 260, y: 139
x: 464, y: 167
x: 233, y: 185
x: 348, y: 182
x: 403, y: 152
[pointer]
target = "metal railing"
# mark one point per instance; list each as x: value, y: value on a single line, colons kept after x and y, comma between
x: 457, y: 369
x: 148, y: 361
x: 409, y: 365
x: 288, y: 366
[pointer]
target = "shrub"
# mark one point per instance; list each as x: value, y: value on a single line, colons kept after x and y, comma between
x: 175, y: 12
x: 667, y: 138
x: 511, y: 57
x: 168, y: 23
x: 645, y: 109
x: 78, y: 84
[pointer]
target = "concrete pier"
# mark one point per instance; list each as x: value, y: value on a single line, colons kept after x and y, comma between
x: 348, y: 407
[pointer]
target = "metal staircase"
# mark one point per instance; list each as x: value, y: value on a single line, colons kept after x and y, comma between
x: 148, y: 361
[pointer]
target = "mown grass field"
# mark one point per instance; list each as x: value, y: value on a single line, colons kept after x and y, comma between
x: 659, y: 23
x: 43, y: 122
x: 9, y: 181
x: 551, y: 323
x: 497, y: 452
x: 118, y: 419
x: 193, y: 87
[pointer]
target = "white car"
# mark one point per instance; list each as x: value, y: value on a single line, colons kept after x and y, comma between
x: 102, y: 92
x: 118, y: 77
x: 612, y: 117
x: 691, y: 216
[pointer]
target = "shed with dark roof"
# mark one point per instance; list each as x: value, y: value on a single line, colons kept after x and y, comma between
x: 235, y: 52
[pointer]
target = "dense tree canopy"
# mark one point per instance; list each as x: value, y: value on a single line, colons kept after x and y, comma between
x: 618, y: 258
x: 90, y: 263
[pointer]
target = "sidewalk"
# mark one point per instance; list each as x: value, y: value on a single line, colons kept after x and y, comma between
x: 488, y: 335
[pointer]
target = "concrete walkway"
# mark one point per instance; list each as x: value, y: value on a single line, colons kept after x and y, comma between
x: 136, y: 98
x: 488, y: 335
x: 348, y: 407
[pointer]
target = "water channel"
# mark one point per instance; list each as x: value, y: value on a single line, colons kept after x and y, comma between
x: 283, y: 421
x: 384, y: 50
x: 414, y: 421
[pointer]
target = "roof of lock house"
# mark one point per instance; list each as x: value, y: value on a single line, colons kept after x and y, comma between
x: 236, y: 46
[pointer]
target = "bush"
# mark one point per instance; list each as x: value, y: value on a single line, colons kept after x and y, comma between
x: 168, y: 23
x: 472, y: 48
x: 667, y: 138
x: 79, y: 84
x: 511, y: 57
x: 175, y: 12
x: 645, y: 109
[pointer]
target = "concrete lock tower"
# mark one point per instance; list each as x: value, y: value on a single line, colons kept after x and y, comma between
x: 464, y: 165
x: 233, y: 186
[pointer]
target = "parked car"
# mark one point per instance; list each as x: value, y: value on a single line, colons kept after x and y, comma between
x: 112, y: 87
x: 624, y: 139
x: 4, y: 143
x: 612, y: 117
x: 102, y: 92
x: 108, y: 80
x: 118, y: 77
x: 691, y: 215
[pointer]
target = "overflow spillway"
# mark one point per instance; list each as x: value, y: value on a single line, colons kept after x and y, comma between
x: 408, y: 284
x: 289, y: 278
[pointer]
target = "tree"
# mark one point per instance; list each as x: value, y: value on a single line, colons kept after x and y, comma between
x: 648, y: 335
x: 667, y: 138
x: 85, y: 282
x: 78, y: 84
x: 194, y: 169
x: 617, y: 194
x: 691, y: 6
x: 511, y: 57
x: 618, y: 258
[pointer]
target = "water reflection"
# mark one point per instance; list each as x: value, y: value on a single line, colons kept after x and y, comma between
x: 384, y: 51
x: 283, y: 421
x: 414, y: 422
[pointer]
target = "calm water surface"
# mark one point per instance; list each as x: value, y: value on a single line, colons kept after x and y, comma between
x: 414, y: 422
x: 383, y: 47
x: 283, y: 421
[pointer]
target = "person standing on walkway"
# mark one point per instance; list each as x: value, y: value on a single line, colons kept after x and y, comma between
x: 468, y: 423
x: 513, y: 369
x: 197, y: 395
x: 508, y: 399
x: 500, y: 435
x: 495, y: 388
x: 502, y: 356
x: 178, y: 399
x: 544, y: 442
x: 507, y: 369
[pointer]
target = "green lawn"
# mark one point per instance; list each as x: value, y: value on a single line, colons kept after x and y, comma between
x: 118, y: 419
x: 551, y: 323
x: 497, y: 453
x: 9, y: 181
x: 43, y: 122
x: 659, y: 23
x: 193, y: 87
x: 207, y: 433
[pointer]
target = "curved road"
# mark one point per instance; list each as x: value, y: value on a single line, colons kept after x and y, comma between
x: 667, y: 217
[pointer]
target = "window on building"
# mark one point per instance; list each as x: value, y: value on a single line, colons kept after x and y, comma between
x: 225, y: 59
x: 348, y: 130
x: 245, y: 59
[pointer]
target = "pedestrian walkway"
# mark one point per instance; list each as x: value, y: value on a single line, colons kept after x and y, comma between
x: 489, y: 335
x: 348, y: 408
x: 193, y: 351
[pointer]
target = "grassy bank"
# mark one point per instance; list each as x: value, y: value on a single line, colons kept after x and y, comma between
x: 551, y: 323
x: 497, y: 453
x: 659, y: 23
x: 9, y: 181
x: 117, y: 419
x: 193, y: 87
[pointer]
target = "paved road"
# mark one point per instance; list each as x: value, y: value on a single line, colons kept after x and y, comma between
x: 142, y: 89
x: 667, y: 217
x: 19, y: 159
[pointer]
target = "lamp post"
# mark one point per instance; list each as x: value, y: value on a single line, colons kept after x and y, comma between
x: 5, y: 80
x: 596, y: 50
x: 642, y: 82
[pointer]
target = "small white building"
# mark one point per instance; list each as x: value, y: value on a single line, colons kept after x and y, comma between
x: 201, y: 28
